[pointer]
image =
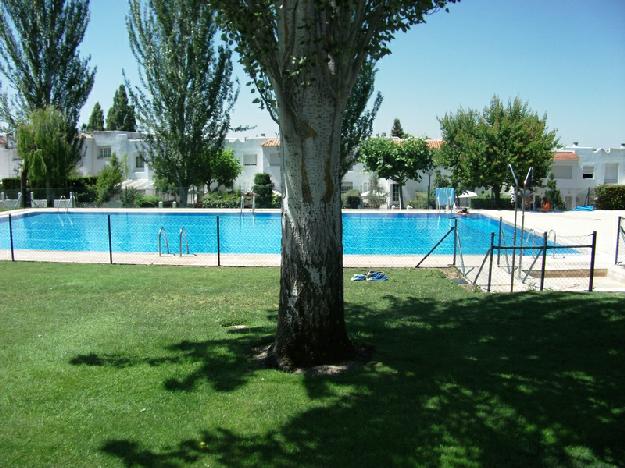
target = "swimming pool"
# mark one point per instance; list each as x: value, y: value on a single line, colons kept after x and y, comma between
x: 133, y: 231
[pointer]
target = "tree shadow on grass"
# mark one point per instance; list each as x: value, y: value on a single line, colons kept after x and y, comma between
x: 225, y: 363
x: 505, y: 380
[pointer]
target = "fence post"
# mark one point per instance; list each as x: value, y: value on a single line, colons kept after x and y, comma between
x: 618, y: 237
x: 218, y: 246
x: 110, y: 242
x: 542, y: 269
x: 592, y: 260
x: 455, y: 238
x: 11, y: 238
x: 499, y: 240
x: 490, y: 265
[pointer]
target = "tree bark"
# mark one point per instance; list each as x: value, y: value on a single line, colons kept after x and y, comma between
x: 311, y: 326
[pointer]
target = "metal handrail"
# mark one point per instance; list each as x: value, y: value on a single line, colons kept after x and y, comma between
x: 183, y: 235
x: 162, y: 233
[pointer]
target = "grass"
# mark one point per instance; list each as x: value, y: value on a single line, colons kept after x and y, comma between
x: 144, y: 366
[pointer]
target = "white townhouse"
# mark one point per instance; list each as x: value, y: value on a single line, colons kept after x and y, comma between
x: 577, y: 169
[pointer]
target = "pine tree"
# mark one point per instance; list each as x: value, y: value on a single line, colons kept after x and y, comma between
x: 358, y: 121
x: 96, y: 119
x: 397, y: 130
x: 39, y: 42
x: 188, y: 93
x: 121, y: 115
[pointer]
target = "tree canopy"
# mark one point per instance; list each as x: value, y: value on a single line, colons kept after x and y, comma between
x: 397, y: 160
x: 186, y: 91
x: 358, y: 120
x: 121, y: 115
x: 42, y: 145
x: 96, y: 119
x: 397, y: 130
x: 478, y: 146
x: 39, y: 41
x: 310, y: 53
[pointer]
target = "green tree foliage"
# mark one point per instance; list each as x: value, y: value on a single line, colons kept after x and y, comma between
x: 263, y: 188
x: 397, y: 130
x: 121, y: 115
x: 42, y: 145
x: 96, y: 119
x: 225, y: 168
x: 109, y: 181
x: 479, y: 146
x: 397, y: 161
x: 358, y: 120
x: 39, y: 41
x: 187, y: 94
x: 310, y: 53
x: 552, y: 194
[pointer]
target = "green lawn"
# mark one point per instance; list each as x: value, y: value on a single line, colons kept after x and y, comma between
x: 143, y: 366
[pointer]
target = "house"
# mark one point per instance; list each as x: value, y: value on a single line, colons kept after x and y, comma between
x: 577, y: 169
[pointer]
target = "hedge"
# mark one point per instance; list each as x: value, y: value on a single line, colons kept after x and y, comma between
x: 610, y: 197
x: 221, y: 200
x: 491, y: 204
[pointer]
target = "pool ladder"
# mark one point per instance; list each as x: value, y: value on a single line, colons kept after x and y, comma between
x: 162, y: 234
x: 183, y: 240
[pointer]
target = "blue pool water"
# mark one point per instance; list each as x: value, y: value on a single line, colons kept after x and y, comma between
x: 364, y: 234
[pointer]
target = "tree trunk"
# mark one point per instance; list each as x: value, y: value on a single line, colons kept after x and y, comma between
x: 183, y: 194
x: 401, y: 196
x: 24, y: 188
x: 311, y: 326
x: 497, y: 195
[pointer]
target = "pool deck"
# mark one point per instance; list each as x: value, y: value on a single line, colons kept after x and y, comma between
x: 570, y: 226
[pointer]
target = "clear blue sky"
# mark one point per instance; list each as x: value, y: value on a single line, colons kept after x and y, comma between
x: 565, y: 57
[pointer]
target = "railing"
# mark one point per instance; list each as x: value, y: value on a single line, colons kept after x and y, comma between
x: 183, y: 238
x: 162, y: 234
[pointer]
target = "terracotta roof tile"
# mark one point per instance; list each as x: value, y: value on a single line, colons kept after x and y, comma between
x: 565, y: 156
x: 271, y: 143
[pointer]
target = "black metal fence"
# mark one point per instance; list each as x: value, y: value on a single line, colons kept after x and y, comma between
x: 619, y: 256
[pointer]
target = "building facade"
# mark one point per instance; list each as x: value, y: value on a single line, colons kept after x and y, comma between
x: 577, y: 169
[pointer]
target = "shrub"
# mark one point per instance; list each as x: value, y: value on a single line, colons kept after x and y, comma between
x: 610, y: 197
x: 84, y: 189
x: 220, y: 200
x: 480, y: 203
x: 109, y: 181
x: 263, y: 188
x: 420, y: 201
x: 147, y: 201
x: 11, y: 186
x: 276, y: 201
x: 351, y: 199
x: 129, y: 197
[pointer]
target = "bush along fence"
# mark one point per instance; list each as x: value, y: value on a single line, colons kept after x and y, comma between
x: 524, y: 261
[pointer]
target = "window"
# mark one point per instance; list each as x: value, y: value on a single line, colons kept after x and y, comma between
x: 139, y: 162
x: 274, y: 159
x: 249, y: 159
x: 395, y: 193
x: 588, y: 172
x: 104, y: 152
x: 611, y: 174
x: 345, y: 186
x: 563, y: 172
